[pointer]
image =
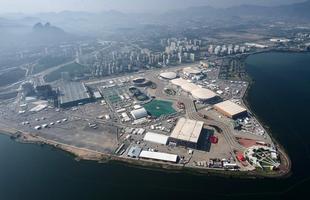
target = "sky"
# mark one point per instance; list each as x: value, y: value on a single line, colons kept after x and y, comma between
x: 36, y: 6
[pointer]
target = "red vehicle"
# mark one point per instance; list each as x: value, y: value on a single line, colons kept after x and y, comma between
x: 214, y: 139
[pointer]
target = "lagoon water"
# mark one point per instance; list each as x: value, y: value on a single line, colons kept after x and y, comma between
x: 280, y: 97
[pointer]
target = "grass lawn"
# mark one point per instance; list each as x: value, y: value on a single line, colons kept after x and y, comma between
x: 48, y: 62
x: 74, y: 70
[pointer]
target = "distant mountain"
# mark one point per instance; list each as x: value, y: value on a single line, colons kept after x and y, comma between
x: 292, y: 12
x: 47, y: 29
x: 24, y: 29
x: 298, y: 10
x: 48, y: 34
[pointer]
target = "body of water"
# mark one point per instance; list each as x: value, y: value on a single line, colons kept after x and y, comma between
x: 280, y: 98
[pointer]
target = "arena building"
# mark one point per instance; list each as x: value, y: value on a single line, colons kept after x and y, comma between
x: 199, y: 93
x: 73, y: 94
x: 168, y: 75
x: 230, y: 109
x: 141, y: 82
x: 191, y: 71
x: 186, y: 133
x: 139, y: 113
x: 203, y: 94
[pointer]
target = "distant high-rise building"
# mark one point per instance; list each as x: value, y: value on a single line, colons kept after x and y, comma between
x: 192, y: 57
x: 180, y: 57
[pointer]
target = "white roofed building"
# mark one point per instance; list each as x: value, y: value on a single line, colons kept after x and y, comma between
x: 139, y: 113
x: 191, y: 71
x: 203, y: 94
x: 97, y: 95
x: 168, y: 75
x: 186, y: 132
x: 199, y: 93
x: 156, y: 138
x: 230, y: 109
x: 159, y: 156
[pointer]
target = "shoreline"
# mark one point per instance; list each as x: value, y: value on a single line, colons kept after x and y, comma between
x: 90, y: 155
x: 284, y: 156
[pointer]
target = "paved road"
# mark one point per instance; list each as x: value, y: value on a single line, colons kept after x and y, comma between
x: 192, y: 113
x: 40, y: 76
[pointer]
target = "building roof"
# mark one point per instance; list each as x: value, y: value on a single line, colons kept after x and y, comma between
x: 187, y: 130
x: 134, y: 151
x: 38, y: 108
x: 184, y: 84
x: 73, y: 91
x: 196, y: 91
x: 230, y: 107
x: 137, y: 106
x: 139, y: 80
x: 203, y: 93
x: 179, y: 81
x: 156, y: 138
x: 139, y: 113
x: 168, y: 75
x: 191, y: 70
x: 159, y: 156
x: 97, y: 95
x: 189, y: 87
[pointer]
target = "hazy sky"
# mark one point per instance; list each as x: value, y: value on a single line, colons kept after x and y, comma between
x: 29, y: 6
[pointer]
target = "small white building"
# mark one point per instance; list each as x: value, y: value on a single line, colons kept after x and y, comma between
x: 97, y: 95
x: 156, y: 138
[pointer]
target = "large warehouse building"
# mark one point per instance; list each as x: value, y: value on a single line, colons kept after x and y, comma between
x: 186, y: 133
x: 160, y: 156
x: 199, y: 93
x: 73, y: 93
x: 230, y: 109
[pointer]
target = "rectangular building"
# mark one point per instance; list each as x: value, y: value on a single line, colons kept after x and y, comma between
x: 156, y: 138
x: 186, y: 132
x: 97, y: 95
x: 159, y: 156
x: 73, y: 93
x: 230, y: 109
x: 134, y: 152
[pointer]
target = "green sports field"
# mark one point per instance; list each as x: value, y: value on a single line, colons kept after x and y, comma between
x: 158, y: 108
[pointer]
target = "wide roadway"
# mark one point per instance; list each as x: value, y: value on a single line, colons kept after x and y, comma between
x: 193, y: 114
